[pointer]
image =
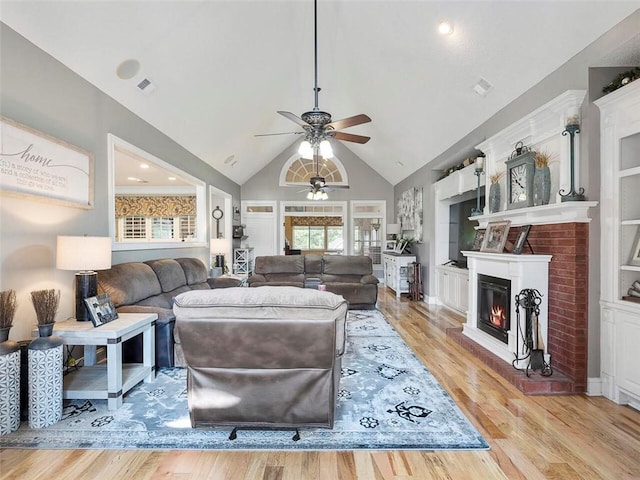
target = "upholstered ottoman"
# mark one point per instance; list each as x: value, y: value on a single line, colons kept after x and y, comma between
x: 262, y: 357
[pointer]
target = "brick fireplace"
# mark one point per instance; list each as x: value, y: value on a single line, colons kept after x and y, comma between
x: 567, y: 308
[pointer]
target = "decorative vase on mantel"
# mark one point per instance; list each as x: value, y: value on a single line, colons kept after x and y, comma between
x: 541, y: 185
x: 494, y: 198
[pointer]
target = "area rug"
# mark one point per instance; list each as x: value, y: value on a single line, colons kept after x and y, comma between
x: 387, y: 400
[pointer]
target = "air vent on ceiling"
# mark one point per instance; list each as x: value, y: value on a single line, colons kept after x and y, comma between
x: 146, y: 86
x: 482, y: 87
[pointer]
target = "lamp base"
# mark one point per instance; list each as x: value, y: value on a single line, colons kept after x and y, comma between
x: 86, y: 286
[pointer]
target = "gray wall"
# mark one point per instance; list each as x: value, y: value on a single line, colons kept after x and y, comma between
x: 619, y: 46
x: 364, y: 182
x: 40, y: 92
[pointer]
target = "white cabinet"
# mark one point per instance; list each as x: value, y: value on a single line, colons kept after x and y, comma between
x: 243, y: 261
x: 620, y: 230
x: 396, y: 271
x: 453, y: 287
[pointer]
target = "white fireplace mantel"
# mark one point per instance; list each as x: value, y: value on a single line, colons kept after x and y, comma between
x: 524, y: 271
x: 564, y: 212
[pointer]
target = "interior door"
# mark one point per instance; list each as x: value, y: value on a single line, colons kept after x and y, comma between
x: 260, y: 221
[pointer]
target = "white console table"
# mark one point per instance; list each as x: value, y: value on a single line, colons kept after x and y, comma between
x: 396, y: 271
x: 113, y: 380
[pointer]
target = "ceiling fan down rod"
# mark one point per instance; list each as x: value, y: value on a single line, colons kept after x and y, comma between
x: 315, y: 52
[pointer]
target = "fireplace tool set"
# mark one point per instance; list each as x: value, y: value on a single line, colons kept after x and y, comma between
x: 529, y: 299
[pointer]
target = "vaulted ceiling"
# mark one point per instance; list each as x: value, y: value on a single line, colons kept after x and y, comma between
x: 221, y: 69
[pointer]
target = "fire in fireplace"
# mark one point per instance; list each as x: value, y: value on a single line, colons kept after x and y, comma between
x: 494, y: 296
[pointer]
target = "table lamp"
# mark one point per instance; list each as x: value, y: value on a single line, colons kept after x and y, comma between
x: 85, y: 254
x: 393, y: 230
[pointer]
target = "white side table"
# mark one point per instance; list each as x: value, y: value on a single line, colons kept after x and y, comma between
x: 113, y: 380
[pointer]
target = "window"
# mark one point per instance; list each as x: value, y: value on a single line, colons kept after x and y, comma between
x: 368, y: 223
x: 152, y: 202
x: 326, y: 238
x: 153, y: 229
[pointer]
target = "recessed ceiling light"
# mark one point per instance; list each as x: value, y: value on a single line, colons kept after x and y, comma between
x: 229, y: 159
x: 135, y: 179
x: 400, y: 164
x: 172, y: 178
x: 144, y: 165
x: 445, y: 28
x: 128, y: 69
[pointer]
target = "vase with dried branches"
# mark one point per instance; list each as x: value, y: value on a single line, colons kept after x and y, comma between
x: 45, y: 303
x: 542, y: 178
x: 7, y: 311
x: 494, y: 192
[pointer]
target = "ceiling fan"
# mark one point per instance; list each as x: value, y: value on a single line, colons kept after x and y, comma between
x: 319, y: 187
x: 316, y: 124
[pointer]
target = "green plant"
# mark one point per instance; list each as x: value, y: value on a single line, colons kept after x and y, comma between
x: 7, y: 308
x: 405, y: 244
x: 45, y: 303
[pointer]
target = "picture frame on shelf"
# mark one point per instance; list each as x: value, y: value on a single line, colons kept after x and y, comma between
x: 634, y: 258
x: 101, y: 309
x: 477, y: 241
x: 398, y: 247
x: 390, y: 246
x: 495, y: 237
x: 521, y: 240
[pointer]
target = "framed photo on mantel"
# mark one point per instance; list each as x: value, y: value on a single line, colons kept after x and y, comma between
x: 495, y: 237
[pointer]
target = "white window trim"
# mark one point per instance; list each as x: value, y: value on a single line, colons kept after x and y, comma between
x: 285, y: 168
x: 344, y: 215
x: 201, y: 200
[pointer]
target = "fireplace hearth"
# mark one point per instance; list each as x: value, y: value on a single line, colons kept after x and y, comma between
x: 494, y: 310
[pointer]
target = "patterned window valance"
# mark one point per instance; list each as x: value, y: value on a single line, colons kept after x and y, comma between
x: 316, y: 221
x: 155, y: 206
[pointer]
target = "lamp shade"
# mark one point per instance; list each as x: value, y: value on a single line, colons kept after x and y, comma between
x: 393, y: 228
x: 83, y: 253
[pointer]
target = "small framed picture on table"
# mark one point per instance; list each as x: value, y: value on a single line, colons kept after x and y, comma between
x: 390, y: 245
x: 101, y: 309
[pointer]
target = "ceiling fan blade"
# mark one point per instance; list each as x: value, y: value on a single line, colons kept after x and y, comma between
x: 350, y: 137
x: 294, y: 118
x: 334, y: 187
x: 271, y: 134
x: 348, y: 122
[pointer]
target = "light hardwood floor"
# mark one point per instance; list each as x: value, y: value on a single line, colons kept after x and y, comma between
x: 531, y: 437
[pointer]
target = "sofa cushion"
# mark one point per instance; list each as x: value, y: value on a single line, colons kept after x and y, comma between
x: 285, y: 278
x: 347, y: 264
x: 128, y: 283
x: 313, y: 265
x: 279, y: 264
x: 169, y: 272
x: 195, y: 271
x: 341, y: 279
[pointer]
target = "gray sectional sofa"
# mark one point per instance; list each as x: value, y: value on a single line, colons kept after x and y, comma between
x: 150, y: 287
x: 348, y: 275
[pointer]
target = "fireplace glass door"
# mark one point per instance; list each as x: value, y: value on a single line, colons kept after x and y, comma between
x: 494, y: 296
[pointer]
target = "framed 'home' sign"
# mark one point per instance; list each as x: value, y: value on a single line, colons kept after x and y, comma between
x: 40, y: 166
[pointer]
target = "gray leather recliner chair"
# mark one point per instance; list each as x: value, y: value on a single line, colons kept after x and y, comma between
x: 266, y: 357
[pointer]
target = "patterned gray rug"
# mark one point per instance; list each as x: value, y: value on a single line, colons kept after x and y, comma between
x: 387, y: 400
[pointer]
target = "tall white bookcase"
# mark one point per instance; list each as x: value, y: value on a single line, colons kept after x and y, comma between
x: 620, y: 226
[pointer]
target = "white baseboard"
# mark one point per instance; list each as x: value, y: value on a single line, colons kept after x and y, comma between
x: 594, y: 387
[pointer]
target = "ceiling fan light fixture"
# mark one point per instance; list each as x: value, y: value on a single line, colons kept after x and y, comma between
x: 305, y: 150
x: 325, y: 149
x: 445, y: 28
x: 310, y: 195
